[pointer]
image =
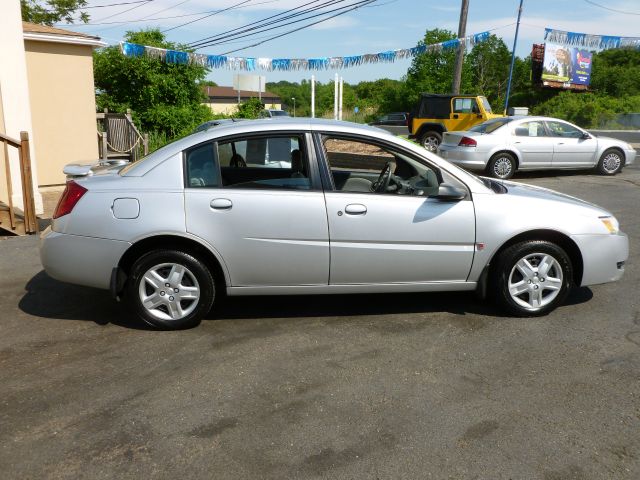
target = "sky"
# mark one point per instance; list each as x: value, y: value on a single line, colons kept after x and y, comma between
x: 379, y: 26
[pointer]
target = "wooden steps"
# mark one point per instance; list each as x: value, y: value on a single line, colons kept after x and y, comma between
x: 5, y: 223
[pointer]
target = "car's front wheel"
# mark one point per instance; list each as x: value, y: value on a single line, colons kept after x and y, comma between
x: 532, y: 278
x: 170, y: 289
x: 610, y: 163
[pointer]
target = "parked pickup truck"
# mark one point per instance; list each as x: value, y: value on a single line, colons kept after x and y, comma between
x: 436, y: 114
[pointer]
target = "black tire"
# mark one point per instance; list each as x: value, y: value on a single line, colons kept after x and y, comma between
x: 196, y: 280
x: 557, y: 281
x: 611, y: 162
x: 502, y: 165
x: 431, y: 140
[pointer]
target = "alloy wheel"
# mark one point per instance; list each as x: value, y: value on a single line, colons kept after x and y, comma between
x: 611, y: 162
x: 502, y: 167
x: 169, y: 291
x: 535, y: 281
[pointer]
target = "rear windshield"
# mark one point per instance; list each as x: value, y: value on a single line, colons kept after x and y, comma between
x: 490, y: 125
x: 279, y: 113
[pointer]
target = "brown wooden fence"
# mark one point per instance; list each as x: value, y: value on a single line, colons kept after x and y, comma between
x: 29, y: 222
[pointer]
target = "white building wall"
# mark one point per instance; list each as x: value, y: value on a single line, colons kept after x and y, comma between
x: 14, y: 94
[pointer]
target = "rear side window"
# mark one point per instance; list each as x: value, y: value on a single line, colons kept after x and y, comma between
x: 530, y: 129
x: 266, y: 162
x: 201, y: 169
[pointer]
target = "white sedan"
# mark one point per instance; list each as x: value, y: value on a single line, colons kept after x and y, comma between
x: 502, y: 146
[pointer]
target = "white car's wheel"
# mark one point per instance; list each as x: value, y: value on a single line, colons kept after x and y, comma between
x: 170, y: 289
x: 502, y: 165
x: 431, y: 141
x: 532, y: 278
x: 610, y: 162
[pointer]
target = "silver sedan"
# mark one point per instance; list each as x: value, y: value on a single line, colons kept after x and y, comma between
x: 346, y: 209
x: 502, y: 146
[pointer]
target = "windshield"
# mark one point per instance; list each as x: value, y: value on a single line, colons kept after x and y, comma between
x: 490, y: 125
x: 486, y: 105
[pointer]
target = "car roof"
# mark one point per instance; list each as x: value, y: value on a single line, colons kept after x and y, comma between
x: 251, y: 126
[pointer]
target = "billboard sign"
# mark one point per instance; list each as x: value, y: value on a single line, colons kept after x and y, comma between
x: 568, y: 65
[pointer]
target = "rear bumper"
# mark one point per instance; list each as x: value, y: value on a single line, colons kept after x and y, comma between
x: 467, y: 157
x: 87, y: 261
x: 603, y: 257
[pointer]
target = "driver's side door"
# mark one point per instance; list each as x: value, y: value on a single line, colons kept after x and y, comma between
x: 378, y: 238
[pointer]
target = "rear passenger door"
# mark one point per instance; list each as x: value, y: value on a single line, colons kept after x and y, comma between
x: 534, y: 145
x: 259, y: 203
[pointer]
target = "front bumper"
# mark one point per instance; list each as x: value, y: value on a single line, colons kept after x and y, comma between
x: 466, y: 157
x: 630, y: 156
x: 87, y: 261
x: 603, y: 257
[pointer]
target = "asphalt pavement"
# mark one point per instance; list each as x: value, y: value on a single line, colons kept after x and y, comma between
x: 343, y: 387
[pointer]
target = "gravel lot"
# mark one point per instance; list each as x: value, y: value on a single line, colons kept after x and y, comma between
x: 346, y: 387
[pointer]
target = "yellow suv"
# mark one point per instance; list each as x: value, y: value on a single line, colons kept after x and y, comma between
x: 436, y: 114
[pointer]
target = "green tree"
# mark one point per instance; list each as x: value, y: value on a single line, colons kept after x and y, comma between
x: 165, y: 98
x: 432, y: 72
x: 52, y: 11
x: 250, y: 109
x: 616, y: 72
x: 488, y: 66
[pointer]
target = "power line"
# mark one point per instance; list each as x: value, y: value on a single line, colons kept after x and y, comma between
x: 300, y: 28
x: 265, y: 28
x: 127, y: 10
x: 147, y: 19
x: 112, y: 4
x: 206, y: 16
x: 263, y: 22
x: 611, y: 9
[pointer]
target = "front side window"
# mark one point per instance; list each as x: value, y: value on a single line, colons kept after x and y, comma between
x: 201, y: 170
x: 277, y: 161
x: 361, y: 167
x: 561, y: 129
x: 530, y: 129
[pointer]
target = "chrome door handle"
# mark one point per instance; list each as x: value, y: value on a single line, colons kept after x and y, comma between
x: 221, y: 204
x: 560, y: 143
x: 355, y: 209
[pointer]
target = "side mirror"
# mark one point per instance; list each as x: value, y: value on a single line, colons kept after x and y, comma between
x: 449, y: 193
x: 585, y: 136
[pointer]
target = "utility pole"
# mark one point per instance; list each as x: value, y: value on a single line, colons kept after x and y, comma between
x: 462, y: 31
x: 513, y: 59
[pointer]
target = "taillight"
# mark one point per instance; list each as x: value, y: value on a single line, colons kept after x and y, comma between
x: 71, y: 195
x: 467, y: 142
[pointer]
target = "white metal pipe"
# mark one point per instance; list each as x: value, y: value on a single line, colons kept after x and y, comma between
x: 313, y: 96
x: 335, y: 98
x: 340, y: 99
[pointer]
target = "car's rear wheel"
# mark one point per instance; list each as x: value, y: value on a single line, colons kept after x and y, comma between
x: 611, y: 162
x: 431, y: 140
x: 532, y: 278
x: 170, y: 289
x: 502, y: 165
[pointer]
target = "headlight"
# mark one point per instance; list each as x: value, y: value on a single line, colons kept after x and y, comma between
x: 611, y: 224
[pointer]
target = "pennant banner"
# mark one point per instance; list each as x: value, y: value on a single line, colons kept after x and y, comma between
x: 290, y: 64
x: 589, y: 42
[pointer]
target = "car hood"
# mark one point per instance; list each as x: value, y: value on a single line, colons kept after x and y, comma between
x: 526, y: 191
